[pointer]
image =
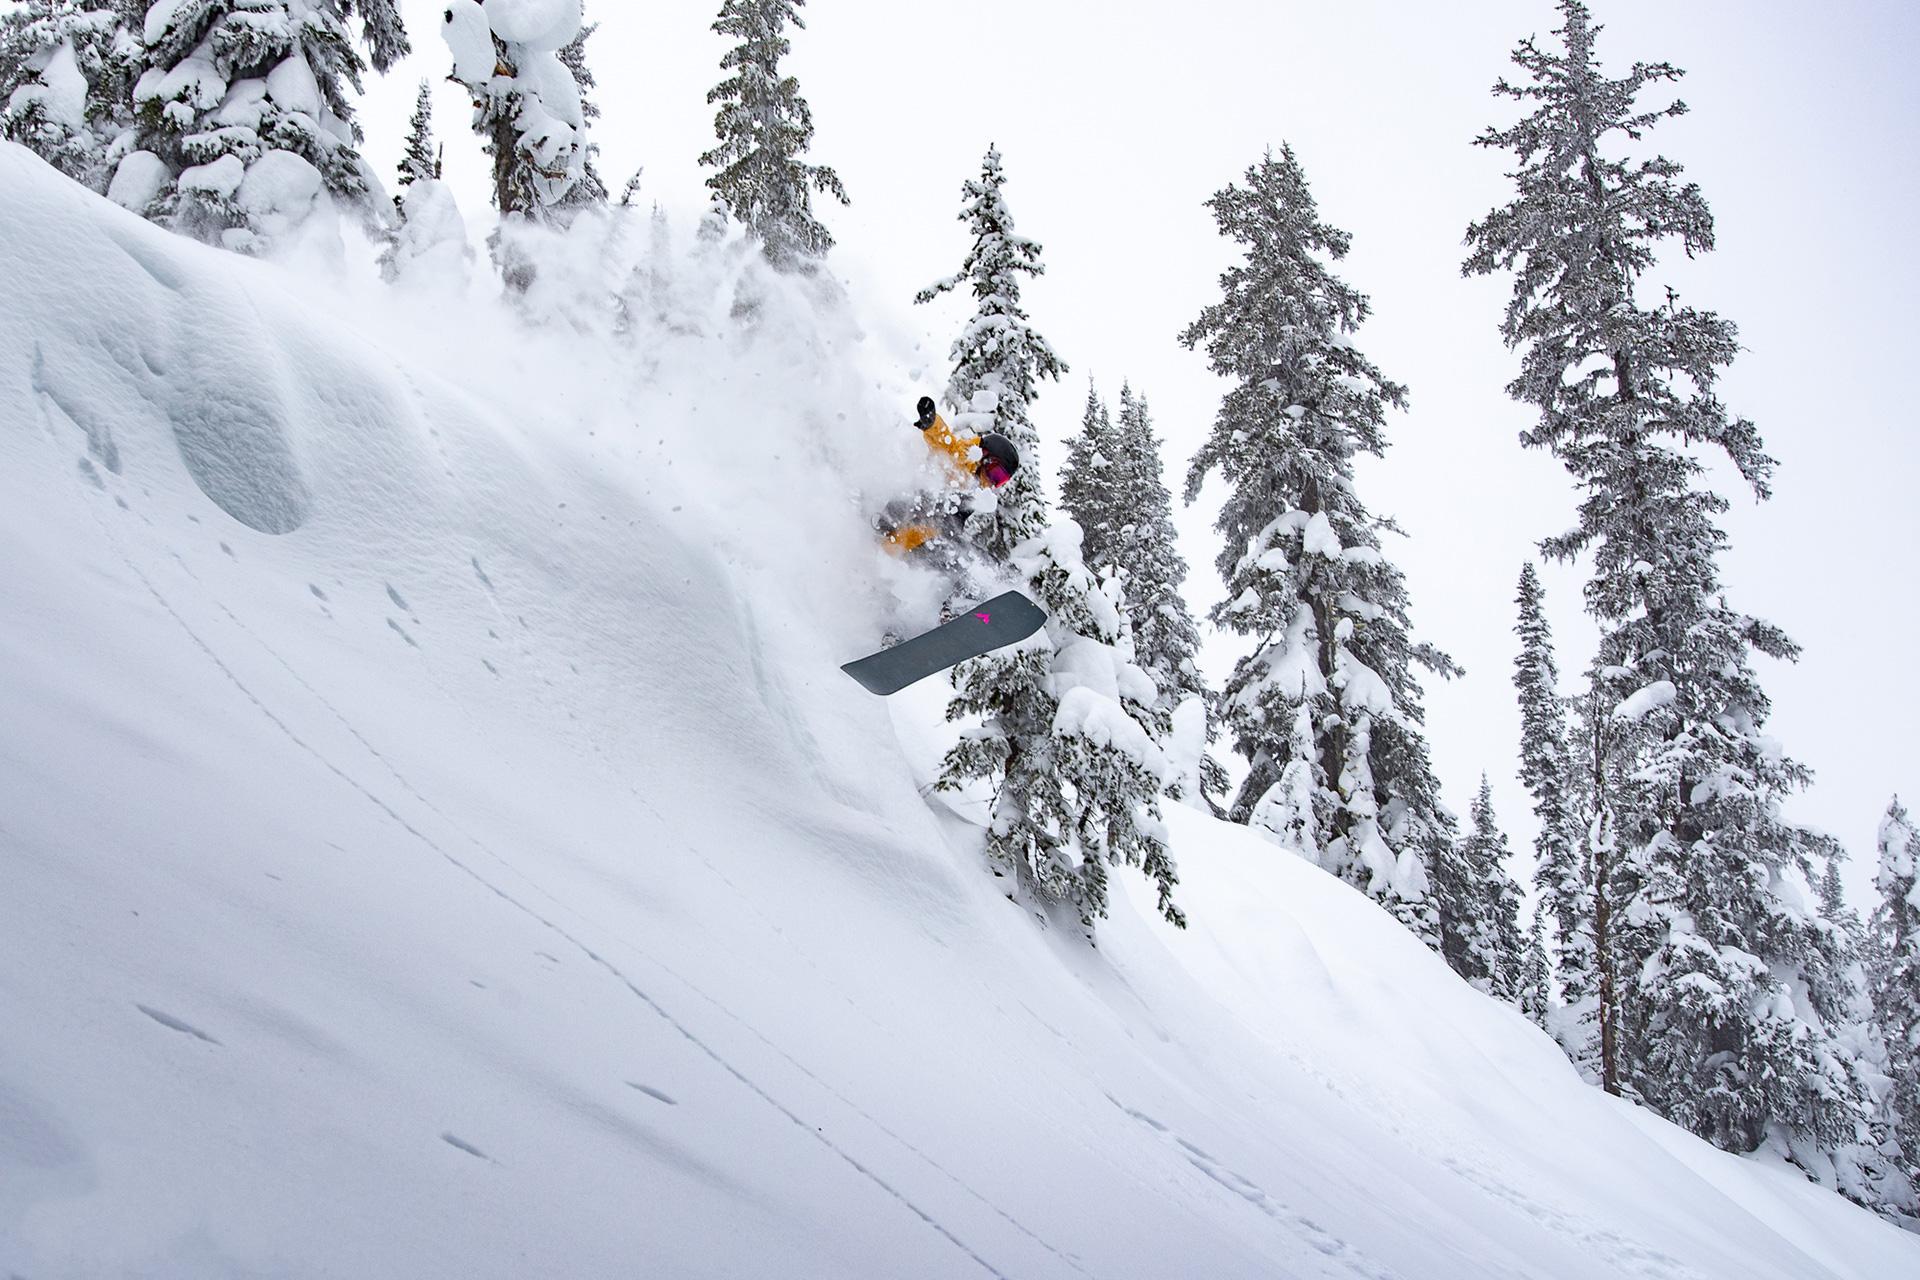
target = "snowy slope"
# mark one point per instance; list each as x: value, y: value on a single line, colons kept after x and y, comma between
x: 435, y: 841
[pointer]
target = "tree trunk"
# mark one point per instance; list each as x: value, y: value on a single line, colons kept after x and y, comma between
x: 1603, y: 909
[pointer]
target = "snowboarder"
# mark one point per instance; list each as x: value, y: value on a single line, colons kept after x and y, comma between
x: 937, y: 523
x: 938, y: 527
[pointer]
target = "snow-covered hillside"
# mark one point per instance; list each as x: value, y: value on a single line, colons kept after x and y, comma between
x: 435, y: 840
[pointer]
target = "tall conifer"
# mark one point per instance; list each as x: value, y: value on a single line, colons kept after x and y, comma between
x: 1710, y: 948
x: 1536, y: 975
x: 1167, y: 640
x: 1479, y: 905
x: 1326, y: 708
x: 530, y: 114
x: 1164, y: 630
x: 999, y: 358
x: 1090, y: 486
x: 764, y: 128
x: 591, y: 189
x: 1563, y: 875
x: 1069, y: 735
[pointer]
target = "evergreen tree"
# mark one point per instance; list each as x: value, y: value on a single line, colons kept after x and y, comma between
x: 66, y: 82
x: 1069, y: 734
x: 1895, y: 927
x: 1164, y: 632
x: 1563, y: 872
x: 764, y: 128
x: 999, y: 358
x: 427, y: 238
x: 1711, y: 949
x: 1326, y: 708
x: 1112, y: 486
x: 1833, y: 898
x: 590, y: 189
x: 419, y: 162
x: 1536, y: 975
x: 526, y: 107
x: 1090, y: 487
x: 1479, y: 906
x: 1866, y: 1167
x: 1069, y: 739
x: 244, y: 115
x: 1545, y: 768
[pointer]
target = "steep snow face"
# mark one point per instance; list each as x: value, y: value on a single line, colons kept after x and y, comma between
x: 435, y: 841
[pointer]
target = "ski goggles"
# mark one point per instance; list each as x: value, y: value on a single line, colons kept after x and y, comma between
x: 994, y: 472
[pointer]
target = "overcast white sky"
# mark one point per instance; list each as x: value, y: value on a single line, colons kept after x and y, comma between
x: 1117, y: 120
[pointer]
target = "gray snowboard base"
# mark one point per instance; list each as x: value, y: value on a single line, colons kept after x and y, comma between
x: 992, y: 624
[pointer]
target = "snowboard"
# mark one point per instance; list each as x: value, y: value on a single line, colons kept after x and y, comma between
x: 984, y: 627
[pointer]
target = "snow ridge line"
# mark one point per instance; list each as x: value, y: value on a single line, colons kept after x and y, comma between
x: 576, y: 943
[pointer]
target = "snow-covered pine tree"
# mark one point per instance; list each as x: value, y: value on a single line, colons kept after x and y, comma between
x: 1163, y: 628
x: 1069, y: 735
x: 1479, y: 905
x: 427, y: 237
x: 526, y: 107
x: 1842, y: 987
x: 1712, y: 945
x: 1536, y: 975
x: 419, y: 161
x: 1090, y: 487
x: 1833, y: 899
x: 764, y: 128
x: 1895, y: 976
x: 1545, y: 769
x: 999, y: 357
x: 1165, y: 637
x: 1868, y: 1168
x: 1562, y: 874
x: 1326, y: 709
x: 244, y: 115
x: 591, y: 189
x: 67, y: 69
x: 1069, y: 739
x: 1112, y: 488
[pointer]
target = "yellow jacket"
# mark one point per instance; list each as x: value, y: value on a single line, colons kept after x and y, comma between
x: 953, y: 449
x: 957, y: 452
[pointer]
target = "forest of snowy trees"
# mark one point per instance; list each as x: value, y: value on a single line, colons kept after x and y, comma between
x: 1688, y: 946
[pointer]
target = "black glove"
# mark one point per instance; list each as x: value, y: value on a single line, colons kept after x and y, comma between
x: 926, y: 411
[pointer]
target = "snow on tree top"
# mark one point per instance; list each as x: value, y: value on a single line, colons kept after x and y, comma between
x: 539, y: 25
x: 464, y: 28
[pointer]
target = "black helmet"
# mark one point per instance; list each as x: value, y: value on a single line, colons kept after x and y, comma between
x: 998, y: 447
x: 926, y: 411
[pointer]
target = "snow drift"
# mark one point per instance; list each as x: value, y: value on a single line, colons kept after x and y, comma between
x: 435, y: 841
